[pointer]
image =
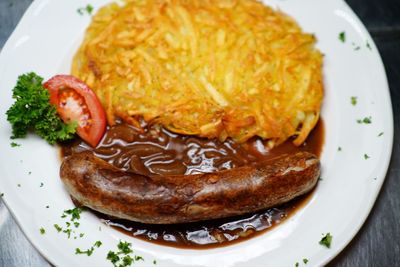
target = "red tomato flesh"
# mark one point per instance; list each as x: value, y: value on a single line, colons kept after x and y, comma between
x: 75, y: 101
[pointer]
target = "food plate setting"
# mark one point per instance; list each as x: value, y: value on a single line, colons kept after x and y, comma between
x: 355, y: 140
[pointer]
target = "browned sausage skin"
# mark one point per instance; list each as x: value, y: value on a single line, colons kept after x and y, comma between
x: 188, y: 198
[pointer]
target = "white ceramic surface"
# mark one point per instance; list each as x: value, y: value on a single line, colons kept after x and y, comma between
x: 44, y: 42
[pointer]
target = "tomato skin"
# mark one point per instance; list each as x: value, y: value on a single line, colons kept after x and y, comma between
x: 90, y: 130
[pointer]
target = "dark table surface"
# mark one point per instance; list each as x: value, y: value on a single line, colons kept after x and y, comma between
x: 378, y: 241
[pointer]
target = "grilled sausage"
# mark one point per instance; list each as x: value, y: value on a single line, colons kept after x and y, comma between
x: 187, y: 198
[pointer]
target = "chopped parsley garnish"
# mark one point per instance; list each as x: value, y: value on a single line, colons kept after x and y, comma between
x: 75, y: 213
x: 42, y: 231
x: 127, y: 260
x: 32, y: 111
x: 29, y: 173
x: 357, y: 48
x: 68, y: 232
x: 19, y: 185
x: 124, y: 249
x: 138, y: 258
x: 41, y: 184
x: 353, y: 100
x: 154, y: 262
x: 326, y: 240
x: 113, y: 257
x: 58, y: 228
x: 305, y: 261
x: 13, y: 144
x: 90, y: 250
x: 296, y: 264
x: 380, y: 134
x: 342, y: 37
x: 366, y: 120
x: 2, y: 195
x: 88, y: 9
x: 339, y: 148
x: 47, y: 206
x: 366, y: 156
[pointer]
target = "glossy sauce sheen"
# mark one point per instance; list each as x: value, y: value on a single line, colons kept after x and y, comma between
x: 160, y: 152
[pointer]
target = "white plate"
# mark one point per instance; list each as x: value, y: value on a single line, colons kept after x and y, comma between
x: 44, y: 42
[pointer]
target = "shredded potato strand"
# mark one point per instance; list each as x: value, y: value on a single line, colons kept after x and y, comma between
x: 216, y: 69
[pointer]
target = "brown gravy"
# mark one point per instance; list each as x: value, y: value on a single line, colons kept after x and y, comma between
x: 160, y: 152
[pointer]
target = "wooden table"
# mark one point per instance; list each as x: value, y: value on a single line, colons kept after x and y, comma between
x: 377, y: 243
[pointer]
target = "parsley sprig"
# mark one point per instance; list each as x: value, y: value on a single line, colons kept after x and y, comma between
x: 32, y: 111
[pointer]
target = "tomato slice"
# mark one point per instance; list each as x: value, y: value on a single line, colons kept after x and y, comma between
x: 75, y: 101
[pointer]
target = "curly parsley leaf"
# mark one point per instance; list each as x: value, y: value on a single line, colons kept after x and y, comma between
x: 32, y: 111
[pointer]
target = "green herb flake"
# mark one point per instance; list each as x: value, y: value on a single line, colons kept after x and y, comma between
x: 29, y: 173
x: 127, y: 261
x: 296, y: 264
x: 366, y: 156
x: 19, y: 185
x: 357, y: 48
x: 353, y: 100
x: 139, y: 258
x: 154, y: 262
x: 366, y: 120
x: 87, y: 9
x: 305, y: 261
x: 380, y: 134
x: 326, y: 240
x: 81, y: 235
x: 113, y: 257
x: 75, y: 213
x: 68, y: 232
x: 41, y: 184
x: 13, y: 144
x: 58, y: 228
x: 90, y: 250
x: 124, y: 247
x: 342, y: 36
x: 87, y: 252
x: 47, y: 206
x: 42, y: 231
x: 2, y: 195
x: 32, y: 111
x: 339, y: 148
